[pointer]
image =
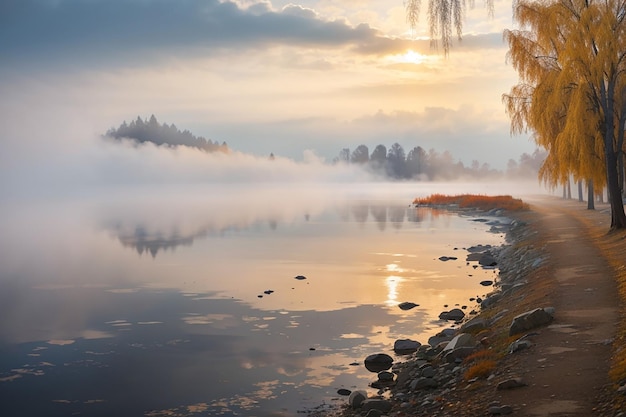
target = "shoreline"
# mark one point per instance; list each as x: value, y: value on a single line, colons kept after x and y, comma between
x: 559, y: 262
x: 423, y: 381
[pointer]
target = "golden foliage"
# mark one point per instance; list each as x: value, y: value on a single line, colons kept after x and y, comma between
x: 571, y: 59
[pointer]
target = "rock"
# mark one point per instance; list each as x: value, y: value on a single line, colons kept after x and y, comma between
x: 459, y: 347
x: 443, y: 336
x: 474, y: 325
x: 487, y: 259
x: 473, y: 257
x: 378, y: 362
x: 519, y: 344
x: 428, y: 371
x: 376, y: 404
x: 422, y: 383
x: 511, y: 383
x: 490, y: 300
x: 405, y: 346
x: 407, y: 305
x: 448, y: 258
x: 458, y: 354
x: 530, y: 320
x: 455, y: 314
x: 268, y: 292
x: 479, y: 248
x: 300, y: 277
x: 374, y: 413
x: 486, y: 283
x: 356, y: 398
x: 344, y: 392
x: 461, y: 340
x: 386, y: 376
x: 500, y: 409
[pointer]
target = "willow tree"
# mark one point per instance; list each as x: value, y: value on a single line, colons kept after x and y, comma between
x: 571, y: 59
x: 444, y: 18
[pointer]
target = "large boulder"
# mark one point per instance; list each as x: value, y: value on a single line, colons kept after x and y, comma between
x: 460, y: 340
x: 531, y: 319
x: 459, y: 347
x: 455, y: 314
x: 378, y: 362
x: 405, y: 346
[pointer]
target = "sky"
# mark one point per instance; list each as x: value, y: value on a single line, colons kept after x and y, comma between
x: 294, y: 79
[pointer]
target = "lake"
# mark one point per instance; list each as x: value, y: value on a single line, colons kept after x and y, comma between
x: 171, y: 301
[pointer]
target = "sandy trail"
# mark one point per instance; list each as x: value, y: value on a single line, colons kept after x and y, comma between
x: 567, y: 368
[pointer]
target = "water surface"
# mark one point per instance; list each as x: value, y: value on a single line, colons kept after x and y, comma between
x: 171, y: 302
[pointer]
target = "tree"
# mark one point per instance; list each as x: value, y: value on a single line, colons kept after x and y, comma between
x: 344, y: 156
x: 360, y: 155
x: 443, y: 17
x: 378, y: 158
x: 396, y: 161
x: 416, y: 161
x: 571, y: 59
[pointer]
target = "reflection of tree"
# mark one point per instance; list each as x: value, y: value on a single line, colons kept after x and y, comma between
x: 360, y: 212
x: 416, y: 215
x: 380, y: 215
x: 143, y: 241
x: 396, y: 215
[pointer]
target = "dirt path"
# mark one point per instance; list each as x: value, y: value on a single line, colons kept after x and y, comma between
x: 567, y: 368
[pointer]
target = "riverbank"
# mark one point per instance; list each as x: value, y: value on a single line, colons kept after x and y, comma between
x: 554, y: 264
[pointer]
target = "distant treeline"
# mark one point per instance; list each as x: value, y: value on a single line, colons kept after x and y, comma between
x: 431, y: 165
x: 151, y: 130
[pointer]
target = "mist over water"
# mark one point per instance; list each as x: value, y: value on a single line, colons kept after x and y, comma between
x: 139, y: 269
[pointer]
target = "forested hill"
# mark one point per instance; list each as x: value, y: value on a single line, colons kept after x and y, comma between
x: 151, y: 130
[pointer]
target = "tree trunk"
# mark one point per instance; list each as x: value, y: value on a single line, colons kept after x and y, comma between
x: 580, y: 191
x: 620, y: 172
x: 564, y: 192
x: 569, y: 189
x: 618, y: 217
x: 590, y: 196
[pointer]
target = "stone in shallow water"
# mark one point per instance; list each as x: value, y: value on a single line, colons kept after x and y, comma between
x: 455, y: 314
x: 404, y: 346
x: 407, y: 305
x: 299, y: 277
x: 343, y: 391
x: 378, y: 362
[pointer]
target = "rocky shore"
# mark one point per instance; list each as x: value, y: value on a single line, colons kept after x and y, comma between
x: 432, y: 378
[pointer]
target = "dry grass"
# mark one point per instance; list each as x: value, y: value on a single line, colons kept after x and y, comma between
x: 481, y: 364
x: 481, y: 202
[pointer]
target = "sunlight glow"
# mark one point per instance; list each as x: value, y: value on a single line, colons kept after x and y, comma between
x: 392, y: 289
x: 410, y: 57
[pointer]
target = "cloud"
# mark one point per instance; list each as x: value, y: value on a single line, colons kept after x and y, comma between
x: 107, y: 32
x: 104, y: 30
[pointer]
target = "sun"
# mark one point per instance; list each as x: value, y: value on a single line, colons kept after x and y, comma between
x: 409, y: 57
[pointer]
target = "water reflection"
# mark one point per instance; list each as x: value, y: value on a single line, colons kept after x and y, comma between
x: 213, y: 321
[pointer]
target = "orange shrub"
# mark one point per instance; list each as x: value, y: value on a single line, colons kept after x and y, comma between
x: 481, y: 202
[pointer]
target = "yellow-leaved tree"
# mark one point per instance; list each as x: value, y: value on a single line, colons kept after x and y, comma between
x: 571, y: 59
